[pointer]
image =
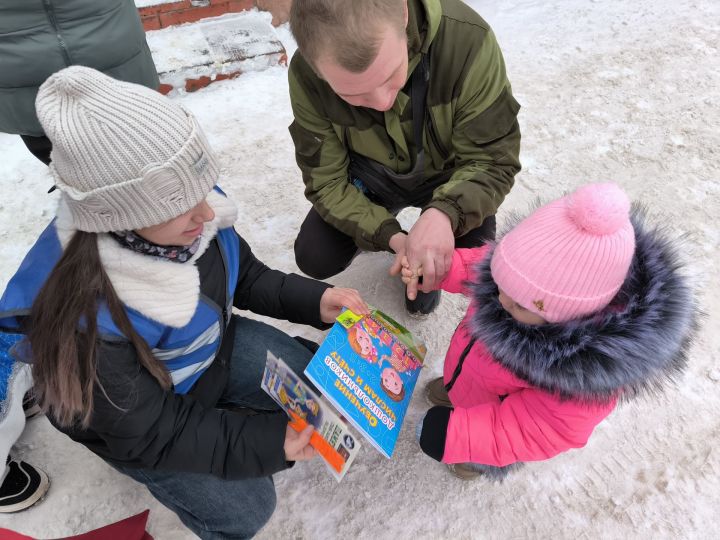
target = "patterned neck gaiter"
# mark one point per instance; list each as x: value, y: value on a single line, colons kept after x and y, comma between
x: 131, y: 240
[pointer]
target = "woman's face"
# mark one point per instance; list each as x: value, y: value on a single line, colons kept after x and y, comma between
x: 364, y: 340
x: 391, y: 380
x: 518, y: 312
x: 182, y: 230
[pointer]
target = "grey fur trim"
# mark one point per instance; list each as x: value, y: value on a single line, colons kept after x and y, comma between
x: 638, y: 344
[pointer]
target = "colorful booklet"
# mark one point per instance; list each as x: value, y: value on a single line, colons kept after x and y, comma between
x: 332, y: 438
x: 367, y: 367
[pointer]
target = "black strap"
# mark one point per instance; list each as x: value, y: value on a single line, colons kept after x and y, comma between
x: 383, y: 185
x: 459, y: 366
x: 418, y: 94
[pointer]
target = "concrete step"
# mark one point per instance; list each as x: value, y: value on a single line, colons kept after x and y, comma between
x: 191, y: 56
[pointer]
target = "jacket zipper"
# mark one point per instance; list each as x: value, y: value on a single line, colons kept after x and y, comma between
x: 50, y: 12
x: 436, y: 137
x: 221, y: 311
x: 226, y: 315
x: 459, y: 366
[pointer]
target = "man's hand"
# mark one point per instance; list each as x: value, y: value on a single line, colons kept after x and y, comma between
x: 297, y: 445
x: 429, y: 248
x: 335, y: 298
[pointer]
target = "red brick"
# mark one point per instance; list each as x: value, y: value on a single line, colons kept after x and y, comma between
x: 195, y: 14
x: 165, y: 88
x: 193, y: 85
x: 280, y: 10
x: 150, y: 22
x: 223, y: 76
x: 161, y: 8
x: 239, y: 5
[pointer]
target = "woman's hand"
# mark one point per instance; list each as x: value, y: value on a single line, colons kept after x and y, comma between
x: 335, y: 298
x: 297, y: 444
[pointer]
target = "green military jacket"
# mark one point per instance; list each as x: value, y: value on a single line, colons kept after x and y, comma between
x: 471, y: 133
x: 40, y: 37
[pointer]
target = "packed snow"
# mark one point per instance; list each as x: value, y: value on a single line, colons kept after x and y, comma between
x: 611, y: 91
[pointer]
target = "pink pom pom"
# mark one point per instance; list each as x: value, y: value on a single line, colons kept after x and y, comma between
x: 599, y: 209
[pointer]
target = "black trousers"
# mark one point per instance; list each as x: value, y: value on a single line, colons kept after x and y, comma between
x: 39, y: 147
x: 322, y: 251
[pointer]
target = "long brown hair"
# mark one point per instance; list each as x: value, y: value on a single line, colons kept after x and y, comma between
x: 62, y: 332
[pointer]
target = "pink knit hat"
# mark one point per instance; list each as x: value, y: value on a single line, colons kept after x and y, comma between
x: 568, y: 258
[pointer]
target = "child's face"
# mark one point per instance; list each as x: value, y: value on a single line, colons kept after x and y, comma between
x: 182, y: 230
x: 364, y: 340
x: 518, y: 312
x: 391, y: 380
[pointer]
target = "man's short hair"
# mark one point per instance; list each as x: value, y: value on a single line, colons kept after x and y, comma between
x: 347, y: 31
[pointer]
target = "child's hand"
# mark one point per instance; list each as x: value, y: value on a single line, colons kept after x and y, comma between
x: 335, y: 299
x: 297, y: 445
x: 410, y: 279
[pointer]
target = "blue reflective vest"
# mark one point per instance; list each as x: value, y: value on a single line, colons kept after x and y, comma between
x: 187, y: 352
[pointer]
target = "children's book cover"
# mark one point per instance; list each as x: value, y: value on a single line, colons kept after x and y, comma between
x: 367, y: 367
x: 332, y: 437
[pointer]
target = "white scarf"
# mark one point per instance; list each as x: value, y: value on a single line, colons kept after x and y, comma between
x: 162, y: 290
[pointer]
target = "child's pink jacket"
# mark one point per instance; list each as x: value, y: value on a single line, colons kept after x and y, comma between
x: 499, y: 419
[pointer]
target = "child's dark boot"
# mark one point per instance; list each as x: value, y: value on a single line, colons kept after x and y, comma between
x: 436, y: 394
x: 464, y: 471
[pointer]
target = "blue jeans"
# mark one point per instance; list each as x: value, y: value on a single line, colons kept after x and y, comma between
x: 211, y: 507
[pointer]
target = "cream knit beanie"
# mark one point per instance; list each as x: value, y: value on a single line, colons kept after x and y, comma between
x: 124, y: 156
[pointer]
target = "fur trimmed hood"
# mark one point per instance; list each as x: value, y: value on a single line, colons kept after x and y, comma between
x: 637, y: 344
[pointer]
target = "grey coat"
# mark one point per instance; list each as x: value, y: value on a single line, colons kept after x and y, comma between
x: 40, y: 37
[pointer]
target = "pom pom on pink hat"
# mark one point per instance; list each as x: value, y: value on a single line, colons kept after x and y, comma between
x: 570, y: 257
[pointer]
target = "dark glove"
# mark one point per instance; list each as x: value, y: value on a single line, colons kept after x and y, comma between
x: 434, y: 432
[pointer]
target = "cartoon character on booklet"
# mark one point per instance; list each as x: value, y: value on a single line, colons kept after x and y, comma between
x: 361, y: 341
x: 400, y: 359
x: 392, y: 384
x: 304, y: 406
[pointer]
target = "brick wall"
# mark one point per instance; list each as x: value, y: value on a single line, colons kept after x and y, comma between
x: 185, y: 11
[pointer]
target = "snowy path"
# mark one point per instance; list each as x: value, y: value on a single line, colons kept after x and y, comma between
x: 611, y: 90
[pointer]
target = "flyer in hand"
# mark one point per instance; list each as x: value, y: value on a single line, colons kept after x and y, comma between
x: 367, y: 367
x: 332, y: 438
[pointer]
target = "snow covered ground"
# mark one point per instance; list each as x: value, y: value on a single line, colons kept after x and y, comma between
x: 611, y: 90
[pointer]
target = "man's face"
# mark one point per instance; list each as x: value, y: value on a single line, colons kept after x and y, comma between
x: 377, y: 86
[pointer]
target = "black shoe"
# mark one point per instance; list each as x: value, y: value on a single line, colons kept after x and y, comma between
x: 24, y: 485
x: 424, y: 303
x: 30, y: 406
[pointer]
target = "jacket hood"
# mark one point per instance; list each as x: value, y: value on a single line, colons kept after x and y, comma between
x: 423, y: 23
x: 638, y: 344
